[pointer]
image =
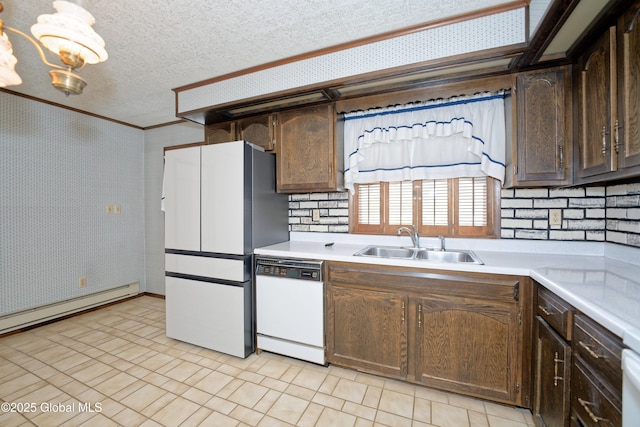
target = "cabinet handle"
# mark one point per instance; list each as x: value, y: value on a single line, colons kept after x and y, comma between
x: 604, y: 141
x: 419, y: 315
x: 589, y: 350
x: 544, y: 311
x: 555, y: 370
x: 561, y: 154
x: 588, y: 410
x: 617, y: 136
x: 403, y: 318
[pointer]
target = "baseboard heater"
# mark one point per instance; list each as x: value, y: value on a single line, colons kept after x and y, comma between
x: 32, y: 316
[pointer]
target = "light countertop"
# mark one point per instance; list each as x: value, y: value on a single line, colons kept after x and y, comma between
x: 601, y: 280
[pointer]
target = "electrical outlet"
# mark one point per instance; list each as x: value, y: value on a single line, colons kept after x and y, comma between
x: 82, y: 282
x: 316, y: 215
x: 555, y: 217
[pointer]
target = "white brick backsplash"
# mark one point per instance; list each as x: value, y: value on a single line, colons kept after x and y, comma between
x: 550, y: 203
x: 566, y: 192
x: 609, y: 214
x: 573, y: 213
x: 566, y: 235
x: 532, y: 193
x: 517, y: 203
x: 532, y: 213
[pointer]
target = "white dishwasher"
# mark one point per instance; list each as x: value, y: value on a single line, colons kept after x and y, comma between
x: 290, y: 308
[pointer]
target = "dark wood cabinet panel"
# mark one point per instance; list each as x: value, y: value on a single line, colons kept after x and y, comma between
x: 368, y: 330
x: 461, y: 332
x: 220, y: 132
x: 596, y: 98
x: 306, y: 146
x: 627, y: 129
x: 258, y: 130
x: 543, y: 132
x: 551, y: 406
x: 593, y: 402
x: 468, y: 346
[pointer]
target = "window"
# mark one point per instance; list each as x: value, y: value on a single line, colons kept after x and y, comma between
x: 456, y: 207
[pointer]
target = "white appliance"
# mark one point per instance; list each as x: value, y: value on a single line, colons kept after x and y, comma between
x: 290, y: 308
x: 630, y: 388
x: 220, y: 203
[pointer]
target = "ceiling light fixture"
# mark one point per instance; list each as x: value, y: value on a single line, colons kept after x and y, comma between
x: 67, y: 34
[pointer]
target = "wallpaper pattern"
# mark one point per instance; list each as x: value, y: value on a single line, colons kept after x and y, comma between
x: 58, y: 172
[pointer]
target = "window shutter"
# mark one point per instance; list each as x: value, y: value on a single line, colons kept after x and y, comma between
x: 400, y: 203
x: 472, y: 202
x: 435, y: 202
x: 369, y: 204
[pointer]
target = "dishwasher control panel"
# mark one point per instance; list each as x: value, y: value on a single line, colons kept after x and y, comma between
x: 289, y: 269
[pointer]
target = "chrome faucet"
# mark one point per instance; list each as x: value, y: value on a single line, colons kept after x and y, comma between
x: 441, y: 237
x: 413, y: 233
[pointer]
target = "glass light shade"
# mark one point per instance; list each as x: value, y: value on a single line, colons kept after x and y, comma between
x: 69, y: 32
x: 8, y: 75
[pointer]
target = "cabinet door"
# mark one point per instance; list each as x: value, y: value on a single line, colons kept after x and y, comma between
x: 469, y: 346
x: 306, y: 150
x: 543, y: 125
x: 257, y: 130
x: 628, y: 134
x: 182, y: 199
x: 220, y: 132
x: 596, y: 101
x: 367, y: 330
x: 553, y: 368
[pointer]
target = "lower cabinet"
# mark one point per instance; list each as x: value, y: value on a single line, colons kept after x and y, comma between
x: 552, y: 374
x: 462, y: 332
x: 369, y: 330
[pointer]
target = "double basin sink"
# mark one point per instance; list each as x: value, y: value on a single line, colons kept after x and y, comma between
x: 423, y: 254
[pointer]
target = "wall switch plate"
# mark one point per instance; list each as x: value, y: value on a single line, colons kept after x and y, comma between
x: 82, y: 282
x: 109, y: 209
x: 316, y: 215
x: 116, y: 209
x: 555, y: 217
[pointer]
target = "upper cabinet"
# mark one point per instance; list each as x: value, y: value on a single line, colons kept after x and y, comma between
x: 308, y: 153
x: 258, y: 130
x: 608, y: 90
x: 596, y: 106
x: 629, y: 84
x: 541, y: 145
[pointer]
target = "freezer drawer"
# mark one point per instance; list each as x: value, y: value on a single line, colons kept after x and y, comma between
x: 237, y: 270
x: 211, y: 315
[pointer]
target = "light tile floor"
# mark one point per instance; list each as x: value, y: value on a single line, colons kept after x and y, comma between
x: 115, y: 366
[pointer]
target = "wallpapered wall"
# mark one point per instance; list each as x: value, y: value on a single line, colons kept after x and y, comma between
x: 58, y: 171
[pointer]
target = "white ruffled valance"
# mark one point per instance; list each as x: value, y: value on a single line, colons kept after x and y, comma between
x: 457, y: 137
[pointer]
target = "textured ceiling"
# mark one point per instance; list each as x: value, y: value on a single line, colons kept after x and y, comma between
x: 157, y: 45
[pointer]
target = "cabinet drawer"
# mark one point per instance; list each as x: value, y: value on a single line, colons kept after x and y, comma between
x: 601, y: 350
x: 556, y: 312
x: 592, y: 402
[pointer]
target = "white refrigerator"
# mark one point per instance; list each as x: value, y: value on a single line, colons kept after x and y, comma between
x: 220, y: 203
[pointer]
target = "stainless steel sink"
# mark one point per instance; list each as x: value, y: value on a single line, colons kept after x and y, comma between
x: 422, y: 254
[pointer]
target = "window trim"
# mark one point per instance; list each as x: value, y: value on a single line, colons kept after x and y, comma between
x: 491, y: 230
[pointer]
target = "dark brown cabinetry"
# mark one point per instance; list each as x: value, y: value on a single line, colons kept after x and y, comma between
x: 465, y: 333
x: 258, y: 130
x: 552, y: 378
x: 596, y: 376
x: 307, y: 153
x: 542, y: 128
x: 607, y: 96
x: 369, y: 329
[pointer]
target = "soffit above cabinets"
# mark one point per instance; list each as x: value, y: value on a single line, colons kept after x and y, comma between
x: 509, y: 37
